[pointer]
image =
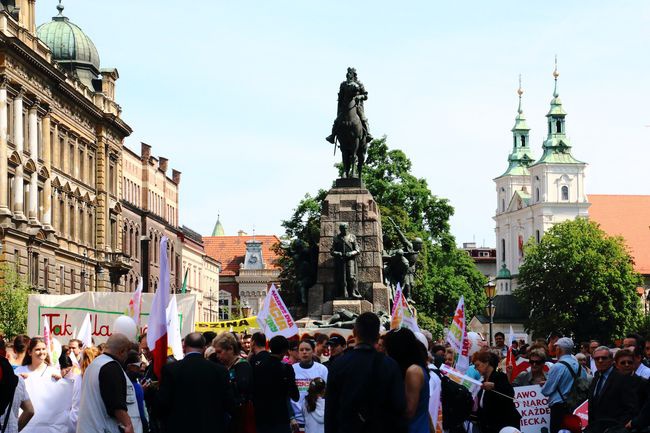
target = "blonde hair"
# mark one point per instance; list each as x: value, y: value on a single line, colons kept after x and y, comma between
x: 226, y: 341
x: 87, y: 356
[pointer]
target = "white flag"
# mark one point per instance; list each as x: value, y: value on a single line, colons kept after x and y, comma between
x: 85, y: 334
x: 174, y: 341
x: 274, y: 317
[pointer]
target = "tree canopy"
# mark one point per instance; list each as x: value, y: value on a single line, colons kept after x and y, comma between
x: 14, y: 292
x: 444, y: 272
x: 581, y: 282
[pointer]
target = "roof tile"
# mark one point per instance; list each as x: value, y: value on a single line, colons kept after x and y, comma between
x: 231, y: 250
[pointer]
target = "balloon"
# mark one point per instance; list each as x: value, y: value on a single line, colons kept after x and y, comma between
x: 476, y: 341
x: 126, y: 326
x: 509, y: 430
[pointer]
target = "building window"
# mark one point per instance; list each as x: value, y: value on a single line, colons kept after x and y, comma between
x: 62, y: 280
x: 71, y: 159
x: 503, y: 205
x: 33, y: 274
x: 71, y: 224
x: 565, y: 193
x: 111, y: 178
x: 91, y: 170
x: 46, y: 274
x: 82, y: 161
x: 523, y: 141
x: 61, y: 152
x: 72, y: 281
x: 224, y: 309
x: 536, y: 194
x: 82, y: 231
x: 41, y: 200
x: 558, y: 126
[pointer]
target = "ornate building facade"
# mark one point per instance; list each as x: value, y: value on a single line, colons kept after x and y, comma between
x: 202, y: 274
x: 150, y: 211
x: 61, y: 146
x: 248, y: 268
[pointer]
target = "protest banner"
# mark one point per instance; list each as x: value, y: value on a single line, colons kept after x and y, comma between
x: 402, y: 315
x: 533, y: 408
x: 457, y: 337
x: 582, y: 412
x: 237, y: 325
x: 66, y: 313
x: 457, y: 376
x: 274, y: 317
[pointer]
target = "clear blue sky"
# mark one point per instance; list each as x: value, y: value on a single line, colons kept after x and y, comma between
x: 240, y: 95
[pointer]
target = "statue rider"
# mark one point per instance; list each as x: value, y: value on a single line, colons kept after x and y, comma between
x: 352, y: 88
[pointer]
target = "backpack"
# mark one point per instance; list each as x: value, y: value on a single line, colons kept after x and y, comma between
x: 579, y: 391
x: 457, y: 403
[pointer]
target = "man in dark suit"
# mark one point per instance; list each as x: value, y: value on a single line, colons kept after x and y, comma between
x: 612, y: 397
x: 194, y: 392
x: 365, y: 389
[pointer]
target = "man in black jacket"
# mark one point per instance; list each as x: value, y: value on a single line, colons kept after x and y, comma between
x: 274, y: 383
x: 612, y: 397
x: 194, y: 392
x: 365, y: 389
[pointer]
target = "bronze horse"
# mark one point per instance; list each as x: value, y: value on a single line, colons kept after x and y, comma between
x: 352, y: 139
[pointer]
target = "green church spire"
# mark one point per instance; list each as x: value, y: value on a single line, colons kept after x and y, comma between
x: 520, y: 158
x: 556, y: 147
x: 218, y: 228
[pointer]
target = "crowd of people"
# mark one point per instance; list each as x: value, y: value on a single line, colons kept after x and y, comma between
x: 394, y: 382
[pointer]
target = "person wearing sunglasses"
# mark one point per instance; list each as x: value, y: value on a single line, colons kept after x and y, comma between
x: 612, y: 400
x: 536, y: 375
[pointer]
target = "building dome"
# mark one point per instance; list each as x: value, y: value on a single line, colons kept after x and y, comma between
x: 70, y: 47
x: 504, y: 273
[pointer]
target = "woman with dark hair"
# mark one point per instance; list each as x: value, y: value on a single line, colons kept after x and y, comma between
x: 496, y: 408
x: 411, y: 356
x: 305, y: 371
x: 13, y: 395
x: 20, y: 350
x: 37, y: 361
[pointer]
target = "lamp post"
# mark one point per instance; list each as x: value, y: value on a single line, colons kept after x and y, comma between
x: 490, y: 291
x: 246, y: 309
x: 210, y: 304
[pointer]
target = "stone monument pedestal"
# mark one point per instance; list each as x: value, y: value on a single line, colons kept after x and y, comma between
x: 350, y: 202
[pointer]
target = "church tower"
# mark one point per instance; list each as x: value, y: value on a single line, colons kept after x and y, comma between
x: 558, y: 179
x: 513, y: 193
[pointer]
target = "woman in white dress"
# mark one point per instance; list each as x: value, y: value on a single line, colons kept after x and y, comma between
x: 51, y: 396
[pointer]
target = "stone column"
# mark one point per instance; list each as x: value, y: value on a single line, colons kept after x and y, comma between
x: 32, y: 139
x: 47, y: 161
x: 4, y: 153
x: 18, y: 141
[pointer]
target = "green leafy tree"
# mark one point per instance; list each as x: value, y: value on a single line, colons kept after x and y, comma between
x: 444, y: 272
x: 14, y: 291
x: 581, y: 282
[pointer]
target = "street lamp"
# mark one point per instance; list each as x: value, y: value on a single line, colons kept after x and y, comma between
x: 246, y: 309
x: 490, y: 291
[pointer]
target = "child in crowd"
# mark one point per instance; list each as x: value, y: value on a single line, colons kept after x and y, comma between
x: 313, y: 407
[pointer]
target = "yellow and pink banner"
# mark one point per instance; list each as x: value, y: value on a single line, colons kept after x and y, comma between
x: 274, y: 317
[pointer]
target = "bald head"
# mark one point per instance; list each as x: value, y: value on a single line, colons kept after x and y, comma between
x: 118, y: 345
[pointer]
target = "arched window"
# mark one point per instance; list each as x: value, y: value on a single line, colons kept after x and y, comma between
x: 503, y: 205
x: 565, y: 193
x: 536, y: 194
x: 523, y: 141
x: 558, y: 126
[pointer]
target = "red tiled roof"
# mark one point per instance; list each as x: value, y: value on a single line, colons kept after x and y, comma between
x: 231, y: 250
x: 627, y: 216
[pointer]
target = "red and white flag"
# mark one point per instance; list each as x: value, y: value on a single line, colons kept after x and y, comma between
x: 157, y: 325
x: 510, y: 359
x: 135, y: 305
